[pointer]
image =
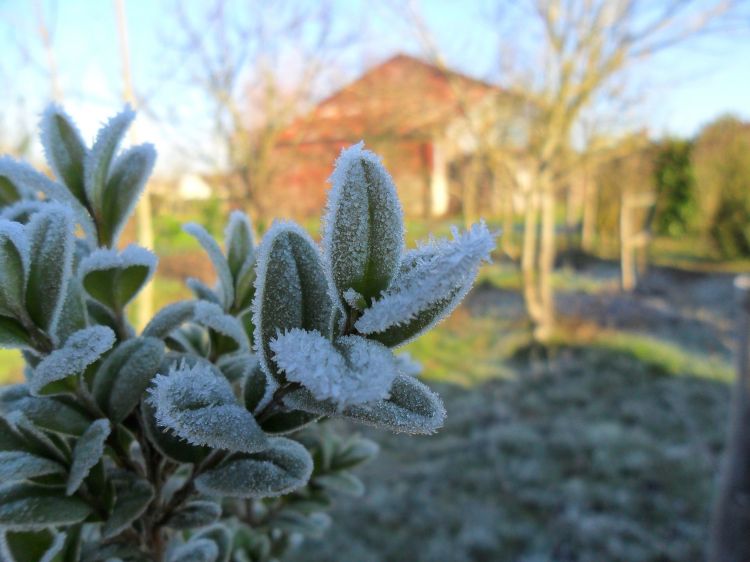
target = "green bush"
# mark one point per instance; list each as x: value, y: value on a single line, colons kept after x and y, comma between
x: 675, y: 184
x: 196, y: 439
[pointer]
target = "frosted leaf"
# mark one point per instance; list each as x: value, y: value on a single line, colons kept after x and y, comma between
x: 352, y: 370
x: 237, y: 366
x: 226, y: 281
x: 88, y: 451
x: 194, y: 514
x: 342, y: 483
x: 202, y: 291
x: 432, y: 279
x: 195, y: 550
x: 132, y: 497
x: 211, y: 315
x: 99, y: 159
x: 73, y: 315
x: 166, y: 442
x: 124, y: 186
x: 258, y: 388
x: 114, y: 278
x: 354, y: 299
x: 19, y: 434
x: 290, y: 288
x: 82, y: 349
x: 407, y: 365
x: 22, y: 211
x: 282, y: 467
x: 20, y: 465
x: 31, y: 546
x: 17, y: 180
x: 411, y: 408
x: 313, y: 525
x: 125, y: 374
x: 222, y: 537
x: 169, y: 318
x: 25, y: 506
x: 289, y: 422
x: 64, y: 149
x: 28, y: 183
x: 363, y: 231
x: 238, y: 239
x: 50, y: 236
x: 197, y: 404
x: 14, y: 257
x: 49, y: 413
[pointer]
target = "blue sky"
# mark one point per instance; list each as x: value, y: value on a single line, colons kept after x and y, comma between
x: 686, y: 88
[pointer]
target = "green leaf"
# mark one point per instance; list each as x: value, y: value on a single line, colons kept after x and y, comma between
x: 124, y: 186
x: 32, y: 546
x: 364, y: 232
x: 13, y: 257
x: 222, y: 537
x: 238, y: 239
x: 291, y: 290
x: 195, y: 550
x: 19, y: 465
x: 114, y: 278
x: 313, y: 525
x: 342, y: 483
x: 132, y: 497
x: 198, y: 404
x: 411, y: 408
x: 87, y: 452
x: 283, y: 467
x: 284, y: 423
x: 194, y: 514
x: 28, y: 507
x: 13, y: 335
x: 56, y: 414
x: 354, y: 452
x: 99, y: 159
x: 50, y: 236
x: 169, y: 318
x: 226, y: 282
x: 125, y: 374
x: 202, y: 291
x: 65, y: 150
x: 74, y: 314
x: 211, y: 316
x: 166, y: 442
x: 258, y: 388
x: 57, y: 371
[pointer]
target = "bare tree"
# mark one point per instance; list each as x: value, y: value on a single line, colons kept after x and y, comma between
x: 258, y: 65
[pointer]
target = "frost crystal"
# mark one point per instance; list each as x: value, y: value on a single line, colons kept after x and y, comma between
x: 439, y: 270
x: 351, y: 371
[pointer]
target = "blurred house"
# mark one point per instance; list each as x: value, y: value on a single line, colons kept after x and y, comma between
x: 413, y: 114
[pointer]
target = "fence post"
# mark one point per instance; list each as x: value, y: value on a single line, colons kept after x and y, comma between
x: 730, y: 532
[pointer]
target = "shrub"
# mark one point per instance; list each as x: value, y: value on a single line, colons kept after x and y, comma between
x: 675, y: 187
x: 201, y: 437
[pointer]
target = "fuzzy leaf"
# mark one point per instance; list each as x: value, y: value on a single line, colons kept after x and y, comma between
x: 87, y: 452
x: 352, y: 370
x: 285, y: 423
x: 283, y: 467
x: 123, y: 188
x: 194, y: 514
x: 354, y: 453
x: 169, y: 318
x: 411, y: 408
x: 290, y: 289
x: 28, y: 507
x: 64, y: 149
x: 166, y: 442
x: 19, y: 465
x: 74, y: 314
x: 202, y: 291
x: 82, y: 349
x: 132, y: 497
x: 238, y: 238
x: 195, y: 550
x: 99, y: 159
x: 363, y: 225
x: 210, y: 315
x: 226, y: 282
x: 432, y: 281
x: 14, y: 257
x: 342, y: 483
x: 313, y: 525
x: 49, y: 413
x: 198, y: 404
x: 17, y: 433
x: 115, y: 278
x: 124, y: 376
x: 50, y: 236
x: 258, y: 388
x: 13, y: 335
x: 32, y: 546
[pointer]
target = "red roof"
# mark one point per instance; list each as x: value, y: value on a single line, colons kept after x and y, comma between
x: 403, y: 97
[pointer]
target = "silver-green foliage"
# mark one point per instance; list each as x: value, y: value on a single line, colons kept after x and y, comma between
x: 166, y: 444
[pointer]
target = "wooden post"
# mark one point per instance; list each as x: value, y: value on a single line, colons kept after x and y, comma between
x: 631, y: 240
x: 730, y: 533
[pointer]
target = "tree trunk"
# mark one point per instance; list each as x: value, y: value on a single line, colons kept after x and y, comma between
x: 588, y: 231
x: 529, y: 257
x: 730, y: 533
x: 546, y: 264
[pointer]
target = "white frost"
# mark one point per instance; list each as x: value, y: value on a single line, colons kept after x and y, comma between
x: 353, y: 371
